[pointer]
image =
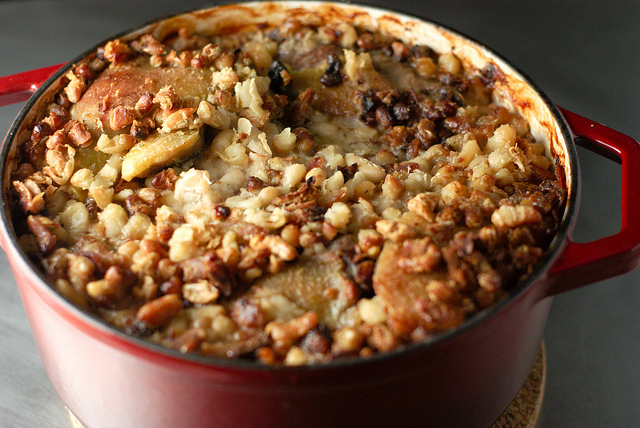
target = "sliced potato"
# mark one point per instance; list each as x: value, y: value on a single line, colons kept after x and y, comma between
x: 159, y: 150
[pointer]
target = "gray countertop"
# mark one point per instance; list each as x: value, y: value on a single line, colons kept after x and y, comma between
x: 584, y: 55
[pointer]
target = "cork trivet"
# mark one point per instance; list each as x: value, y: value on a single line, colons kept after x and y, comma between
x: 75, y: 423
x: 521, y: 413
x: 524, y: 410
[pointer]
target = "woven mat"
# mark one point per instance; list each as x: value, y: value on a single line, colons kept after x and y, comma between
x: 524, y: 410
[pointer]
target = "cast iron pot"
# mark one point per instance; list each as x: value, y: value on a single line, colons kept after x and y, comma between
x: 465, y: 377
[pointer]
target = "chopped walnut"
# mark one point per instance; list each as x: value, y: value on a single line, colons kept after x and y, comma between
x: 419, y: 256
x: 121, y: 117
x: 288, y: 332
x: 424, y: 205
x: 201, y: 292
x: 395, y: 230
x: 116, y: 51
x: 148, y: 44
x: 511, y: 216
x: 75, y: 88
x: 31, y: 197
x: 275, y: 245
x: 60, y: 163
x: 166, y: 98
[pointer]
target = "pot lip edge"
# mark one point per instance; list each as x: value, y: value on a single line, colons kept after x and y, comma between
x: 9, y: 238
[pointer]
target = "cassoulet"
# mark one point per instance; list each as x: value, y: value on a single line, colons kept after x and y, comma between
x: 292, y: 195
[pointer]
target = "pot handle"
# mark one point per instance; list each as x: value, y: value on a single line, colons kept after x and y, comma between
x: 585, y: 263
x: 19, y: 87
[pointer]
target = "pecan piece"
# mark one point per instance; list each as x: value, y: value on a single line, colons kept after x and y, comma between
x: 81, y: 270
x: 165, y: 179
x: 134, y: 204
x: 301, y: 108
x: 424, y: 205
x: 210, y: 269
x: 166, y: 97
x: 317, y: 341
x: 78, y: 134
x: 60, y: 163
x: 111, y: 290
x: 159, y: 311
x: 42, y: 227
x: 396, y: 230
x: 121, y: 117
x: 31, y: 197
x: 437, y: 316
x: 75, y: 88
x: 275, y: 245
x: 189, y: 340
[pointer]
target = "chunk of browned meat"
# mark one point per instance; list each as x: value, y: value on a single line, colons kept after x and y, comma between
x: 407, y: 297
x: 317, y: 283
x: 125, y: 85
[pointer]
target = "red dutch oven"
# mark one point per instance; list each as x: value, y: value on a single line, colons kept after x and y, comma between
x: 465, y: 377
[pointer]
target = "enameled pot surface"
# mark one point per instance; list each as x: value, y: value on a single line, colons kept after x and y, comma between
x: 545, y: 314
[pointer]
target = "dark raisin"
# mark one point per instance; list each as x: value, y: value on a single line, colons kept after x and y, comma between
x: 348, y: 171
x: 83, y: 70
x: 332, y: 75
x: 92, y: 208
x: 222, y: 211
x: 384, y: 118
x: 254, y: 184
x: 304, y: 139
x: 367, y: 101
x: 40, y: 131
x: 280, y: 78
x: 138, y: 130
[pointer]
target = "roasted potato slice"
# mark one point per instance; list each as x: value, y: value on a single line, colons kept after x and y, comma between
x: 160, y: 150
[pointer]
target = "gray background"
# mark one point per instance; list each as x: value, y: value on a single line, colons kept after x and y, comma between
x: 584, y: 55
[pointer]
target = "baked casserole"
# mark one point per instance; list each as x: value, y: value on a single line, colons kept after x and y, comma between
x: 290, y: 194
